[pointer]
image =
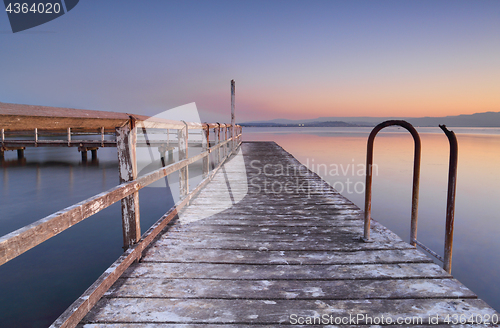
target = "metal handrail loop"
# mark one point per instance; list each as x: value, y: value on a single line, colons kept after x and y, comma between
x: 416, y: 178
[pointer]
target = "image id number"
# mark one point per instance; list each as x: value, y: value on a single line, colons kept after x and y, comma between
x: 40, y: 8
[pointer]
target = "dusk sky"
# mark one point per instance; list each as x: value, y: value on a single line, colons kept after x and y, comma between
x: 290, y: 59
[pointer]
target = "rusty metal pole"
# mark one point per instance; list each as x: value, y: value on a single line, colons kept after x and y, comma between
x: 416, y: 178
x: 126, y: 138
x: 233, y: 91
x: 450, y: 205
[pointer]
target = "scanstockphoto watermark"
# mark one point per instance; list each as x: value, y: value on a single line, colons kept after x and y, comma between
x: 386, y: 320
x: 265, y: 178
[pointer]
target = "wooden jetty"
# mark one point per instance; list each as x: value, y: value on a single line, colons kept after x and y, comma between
x: 288, y: 253
x: 261, y: 241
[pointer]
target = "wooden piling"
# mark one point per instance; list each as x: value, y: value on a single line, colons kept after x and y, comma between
x: 20, y: 153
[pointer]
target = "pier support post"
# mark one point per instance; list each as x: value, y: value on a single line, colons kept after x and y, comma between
x: 94, y: 154
x: 182, y: 136
x: 126, y: 138
x: 20, y: 153
x: 84, y: 155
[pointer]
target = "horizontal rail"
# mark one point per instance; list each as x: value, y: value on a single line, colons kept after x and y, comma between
x: 84, y: 143
x: 25, y: 238
x: 428, y: 250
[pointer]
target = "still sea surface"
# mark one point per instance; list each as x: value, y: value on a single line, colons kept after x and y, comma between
x: 38, y: 286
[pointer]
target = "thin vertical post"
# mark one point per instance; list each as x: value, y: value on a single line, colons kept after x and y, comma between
x: 126, y: 138
x: 233, y: 93
x: 226, y: 147
x: 450, y: 205
x: 205, y: 143
x: 69, y: 137
x: 102, y: 136
x: 217, y: 141
x: 36, y: 137
x: 3, y: 142
x: 163, y: 150
x: 182, y: 136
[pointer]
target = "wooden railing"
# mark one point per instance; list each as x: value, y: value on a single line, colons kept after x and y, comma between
x: 227, y: 139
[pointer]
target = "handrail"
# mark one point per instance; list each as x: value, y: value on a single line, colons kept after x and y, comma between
x: 27, y: 237
x: 452, y: 179
x: 416, y: 177
x: 450, y: 203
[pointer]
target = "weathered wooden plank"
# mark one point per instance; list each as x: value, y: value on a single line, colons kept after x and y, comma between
x: 271, y: 211
x: 224, y: 218
x: 180, y: 254
x: 334, y: 244
x: 348, y: 221
x: 289, y: 289
x: 340, y: 231
x: 208, y: 325
x: 160, y: 310
x: 286, y: 272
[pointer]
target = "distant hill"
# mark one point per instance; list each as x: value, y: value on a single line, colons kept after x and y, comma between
x: 307, y: 124
x: 487, y: 119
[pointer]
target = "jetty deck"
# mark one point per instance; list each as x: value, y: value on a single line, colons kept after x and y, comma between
x: 287, y: 252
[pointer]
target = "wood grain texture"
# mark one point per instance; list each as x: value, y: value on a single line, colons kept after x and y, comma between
x: 260, y: 260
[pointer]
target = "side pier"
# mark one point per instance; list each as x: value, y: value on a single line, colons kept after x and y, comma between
x: 266, y: 243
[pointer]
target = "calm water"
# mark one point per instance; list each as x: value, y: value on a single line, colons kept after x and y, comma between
x: 39, y: 285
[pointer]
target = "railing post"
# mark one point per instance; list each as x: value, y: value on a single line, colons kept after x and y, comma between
x: 233, y: 94
x: 226, y: 146
x: 450, y: 205
x: 102, y: 136
x: 182, y: 136
x: 205, y: 143
x: 2, y: 148
x: 217, y: 141
x: 126, y: 138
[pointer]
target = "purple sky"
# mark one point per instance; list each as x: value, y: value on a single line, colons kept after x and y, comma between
x: 290, y: 59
